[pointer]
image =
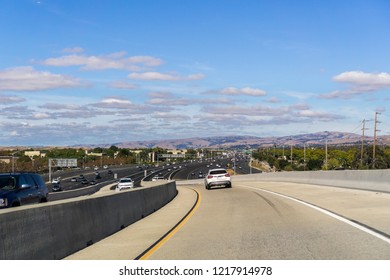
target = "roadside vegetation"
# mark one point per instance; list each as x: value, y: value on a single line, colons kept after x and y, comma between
x: 267, y: 159
x: 316, y: 158
x: 18, y: 160
x: 93, y: 157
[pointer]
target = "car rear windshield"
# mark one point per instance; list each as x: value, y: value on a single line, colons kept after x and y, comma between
x: 126, y: 180
x: 8, y: 182
x: 220, y: 171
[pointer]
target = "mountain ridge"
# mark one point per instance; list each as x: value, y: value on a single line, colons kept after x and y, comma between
x: 318, y: 138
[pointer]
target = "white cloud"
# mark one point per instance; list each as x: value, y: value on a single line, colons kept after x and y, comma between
x: 171, y: 117
x: 164, y: 95
x: 121, y: 106
x: 300, y: 95
x: 243, y: 91
x: 194, y: 77
x: 111, y: 61
x: 220, y: 100
x: 29, y: 79
x: 319, y: 115
x: 255, y: 110
x: 169, y: 102
x: 6, y: 99
x: 259, y: 114
x: 123, y: 85
x: 360, y: 78
x: 153, y: 76
x: 361, y: 83
x: 273, y: 100
x: 60, y: 106
x: 40, y: 116
x: 114, y: 103
x: 167, y: 99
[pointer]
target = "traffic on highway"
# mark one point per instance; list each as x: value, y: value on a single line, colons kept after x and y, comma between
x: 18, y: 189
x: 66, y: 180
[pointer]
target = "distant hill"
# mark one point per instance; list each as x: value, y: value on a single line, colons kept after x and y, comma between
x: 319, y: 138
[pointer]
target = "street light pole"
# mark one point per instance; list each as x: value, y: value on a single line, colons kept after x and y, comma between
x: 13, y: 162
x: 234, y: 163
x: 250, y: 165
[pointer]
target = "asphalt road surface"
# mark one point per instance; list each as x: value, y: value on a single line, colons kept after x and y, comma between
x: 258, y: 220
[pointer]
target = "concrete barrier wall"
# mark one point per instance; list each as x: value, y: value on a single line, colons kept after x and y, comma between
x: 74, y: 193
x: 57, y: 229
x: 154, y: 183
x: 374, y: 180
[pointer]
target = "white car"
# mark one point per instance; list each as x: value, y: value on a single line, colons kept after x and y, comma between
x: 157, y: 178
x: 125, y: 183
x: 217, y: 177
x: 56, y: 181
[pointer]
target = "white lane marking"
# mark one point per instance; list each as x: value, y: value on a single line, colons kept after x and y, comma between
x: 333, y: 215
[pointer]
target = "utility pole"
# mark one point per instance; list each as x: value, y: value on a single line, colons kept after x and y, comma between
x: 13, y: 162
x: 274, y: 149
x: 250, y: 164
x: 235, y: 163
x: 326, y: 154
x: 362, y: 149
x: 50, y: 170
x: 375, y: 130
x: 304, y: 156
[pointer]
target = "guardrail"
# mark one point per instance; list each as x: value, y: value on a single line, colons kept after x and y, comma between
x: 56, y: 229
x: 373, y: 180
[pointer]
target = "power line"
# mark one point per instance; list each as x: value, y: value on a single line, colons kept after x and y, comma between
x: 356, y: 128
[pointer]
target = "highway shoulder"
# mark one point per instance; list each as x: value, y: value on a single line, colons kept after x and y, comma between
x: 135, y: 239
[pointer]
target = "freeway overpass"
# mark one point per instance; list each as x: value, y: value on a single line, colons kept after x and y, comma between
x: 261, y: 217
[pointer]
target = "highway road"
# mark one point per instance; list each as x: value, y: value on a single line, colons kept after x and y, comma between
x: 257, y: 220
x: 199, y: 169
x: 137, y: 173
x: 179, y: 171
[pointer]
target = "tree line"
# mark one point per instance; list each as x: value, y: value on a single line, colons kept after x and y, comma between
x: 110, y: 156
x: 320, y: 158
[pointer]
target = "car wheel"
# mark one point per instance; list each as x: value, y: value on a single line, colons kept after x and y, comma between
x: 15, y: 204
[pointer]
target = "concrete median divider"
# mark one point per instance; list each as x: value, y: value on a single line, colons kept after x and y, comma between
x: 74, y: 193
x: 373, y: 180
x: 57, y: 229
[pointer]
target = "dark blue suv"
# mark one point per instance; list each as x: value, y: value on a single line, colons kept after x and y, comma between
x: 21, y: 188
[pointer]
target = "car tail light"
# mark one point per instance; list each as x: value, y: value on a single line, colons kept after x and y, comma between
x: 209, y: 177
x: 227, y: 175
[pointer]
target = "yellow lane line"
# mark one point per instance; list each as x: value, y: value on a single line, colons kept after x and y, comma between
x: 148, y: 252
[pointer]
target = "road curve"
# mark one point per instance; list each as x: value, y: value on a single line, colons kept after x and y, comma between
x: 261, y: 220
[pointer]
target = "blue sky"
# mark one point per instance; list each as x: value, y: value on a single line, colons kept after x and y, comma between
x: 93, y: 72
